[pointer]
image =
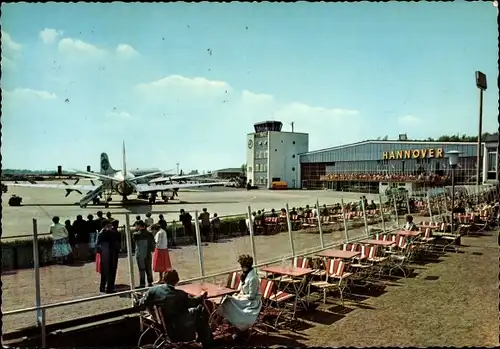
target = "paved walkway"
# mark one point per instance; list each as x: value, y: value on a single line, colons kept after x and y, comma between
x: 62, y: 283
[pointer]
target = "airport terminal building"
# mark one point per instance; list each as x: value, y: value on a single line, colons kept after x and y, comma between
x: 370, y: 166
x: 373, y: 166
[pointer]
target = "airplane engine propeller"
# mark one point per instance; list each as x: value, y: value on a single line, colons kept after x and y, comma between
x: 68, y: 191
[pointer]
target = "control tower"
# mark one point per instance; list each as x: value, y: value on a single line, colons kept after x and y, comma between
x: 272, y: 154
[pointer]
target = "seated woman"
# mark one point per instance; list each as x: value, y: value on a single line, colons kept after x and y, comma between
x: 409, y: 224
x: 242, y: 310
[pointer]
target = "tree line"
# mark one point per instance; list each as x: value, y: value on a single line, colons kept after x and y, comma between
x: 449, y: 138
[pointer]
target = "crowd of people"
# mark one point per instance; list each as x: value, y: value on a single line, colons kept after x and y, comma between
x: 379, y: 177
x: 100, y: 240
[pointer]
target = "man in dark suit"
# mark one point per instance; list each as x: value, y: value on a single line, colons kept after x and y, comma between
x: 108, y: 245
x: 185, y: 316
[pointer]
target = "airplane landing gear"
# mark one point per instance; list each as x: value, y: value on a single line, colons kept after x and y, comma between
x: 165, y: 198
x: 152, y: 198
x: 96, y: 201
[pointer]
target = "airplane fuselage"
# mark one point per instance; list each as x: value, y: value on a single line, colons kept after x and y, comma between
x: 122, y: 183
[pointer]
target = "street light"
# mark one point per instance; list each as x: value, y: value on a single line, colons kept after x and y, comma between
x: 453, y: 160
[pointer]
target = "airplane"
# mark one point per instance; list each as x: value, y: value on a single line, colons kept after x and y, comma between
x: 123, y: 183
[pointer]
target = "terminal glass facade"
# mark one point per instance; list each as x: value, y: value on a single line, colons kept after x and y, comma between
x: 386, y: 158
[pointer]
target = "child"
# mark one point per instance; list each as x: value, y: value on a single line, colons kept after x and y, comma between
x: 161, y: 256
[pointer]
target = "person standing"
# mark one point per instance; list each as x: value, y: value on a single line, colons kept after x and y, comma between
x: 82, y: 238
x: 107, y: 255
x: 163, y: 225
x: 93, y: 227
x: 71, y: 234
x: 149, y: 221
x: 215, y: 227
x: 144, y: 246
x: 186, y: 220
x: 61, y: 248
x: 161, y: 255
x: 205, y: 224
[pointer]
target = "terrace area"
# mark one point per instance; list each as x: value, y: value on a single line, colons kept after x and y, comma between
x: 446, y: 299
x: 450, y: 300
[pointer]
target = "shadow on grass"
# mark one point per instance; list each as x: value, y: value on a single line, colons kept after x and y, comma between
x: 321, y: 317
x: 282, y: 340
x: 340, y: 310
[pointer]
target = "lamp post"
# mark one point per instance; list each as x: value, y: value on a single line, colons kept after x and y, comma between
x: 453, y: 160
x: 481, y: 85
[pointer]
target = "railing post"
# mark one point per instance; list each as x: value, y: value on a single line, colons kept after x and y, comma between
x: 430, y: 208
x: 438, y: 208
x: 320, y: 228
x: 198, y: 238
x: 382, y: 211
x: 408, y: 203
x: 396, y: 210
x: 250, y: 229
x: 40, y: 313
x: 290, y: 233
x: 174, y: 232
x: 128, y: 238
x: 364, y: 216
x: 344, y: 220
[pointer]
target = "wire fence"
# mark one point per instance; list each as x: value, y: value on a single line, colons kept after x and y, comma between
x: 57, y: 293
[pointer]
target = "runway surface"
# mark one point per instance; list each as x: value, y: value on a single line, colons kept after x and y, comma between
x: 43, y: 204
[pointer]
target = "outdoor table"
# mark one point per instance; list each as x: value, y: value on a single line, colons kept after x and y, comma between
x: 333, y: 253
x: 428, y: 226
x: 377, y: 242
x: 213, y: 291
x: 409, y: 234
x: 293, y: 272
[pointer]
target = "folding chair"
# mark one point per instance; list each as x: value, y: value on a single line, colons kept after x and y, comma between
x: 271, y: 295
x: 160, y: 327
x: 400, y: 256
x: 335, y: 272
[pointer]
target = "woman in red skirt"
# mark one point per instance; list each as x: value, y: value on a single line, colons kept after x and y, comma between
x: 161, y: 256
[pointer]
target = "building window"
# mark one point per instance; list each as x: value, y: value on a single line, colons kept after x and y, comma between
x: 293, y: 156
x: 293, y: 142
x: 275, y: 149
x: 249, y: 168
x: 492, y: 162
x: 293, y: 168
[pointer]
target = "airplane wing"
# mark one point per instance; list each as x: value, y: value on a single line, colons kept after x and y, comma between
x: 176, y: 178
x: 147, y: 188
x: 54, y: 186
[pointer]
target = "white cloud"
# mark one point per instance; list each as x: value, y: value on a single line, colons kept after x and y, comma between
x: 9, y: 45
x: 184, y: 90
x: 256, y: 98
x: 409, y: 120
x: 83, y: 49
x: 178, y: 81
x: 126, y: 51
x: 11, y: 51
x: 235, y: 112
x: 49, y: 36
x: 78, y: 47
x: 27, y: 93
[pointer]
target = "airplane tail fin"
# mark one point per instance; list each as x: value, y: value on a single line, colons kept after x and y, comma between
x: 106, y: 168
x: 124, y: 160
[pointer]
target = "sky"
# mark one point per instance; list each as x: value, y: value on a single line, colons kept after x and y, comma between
x: 184, y: 83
